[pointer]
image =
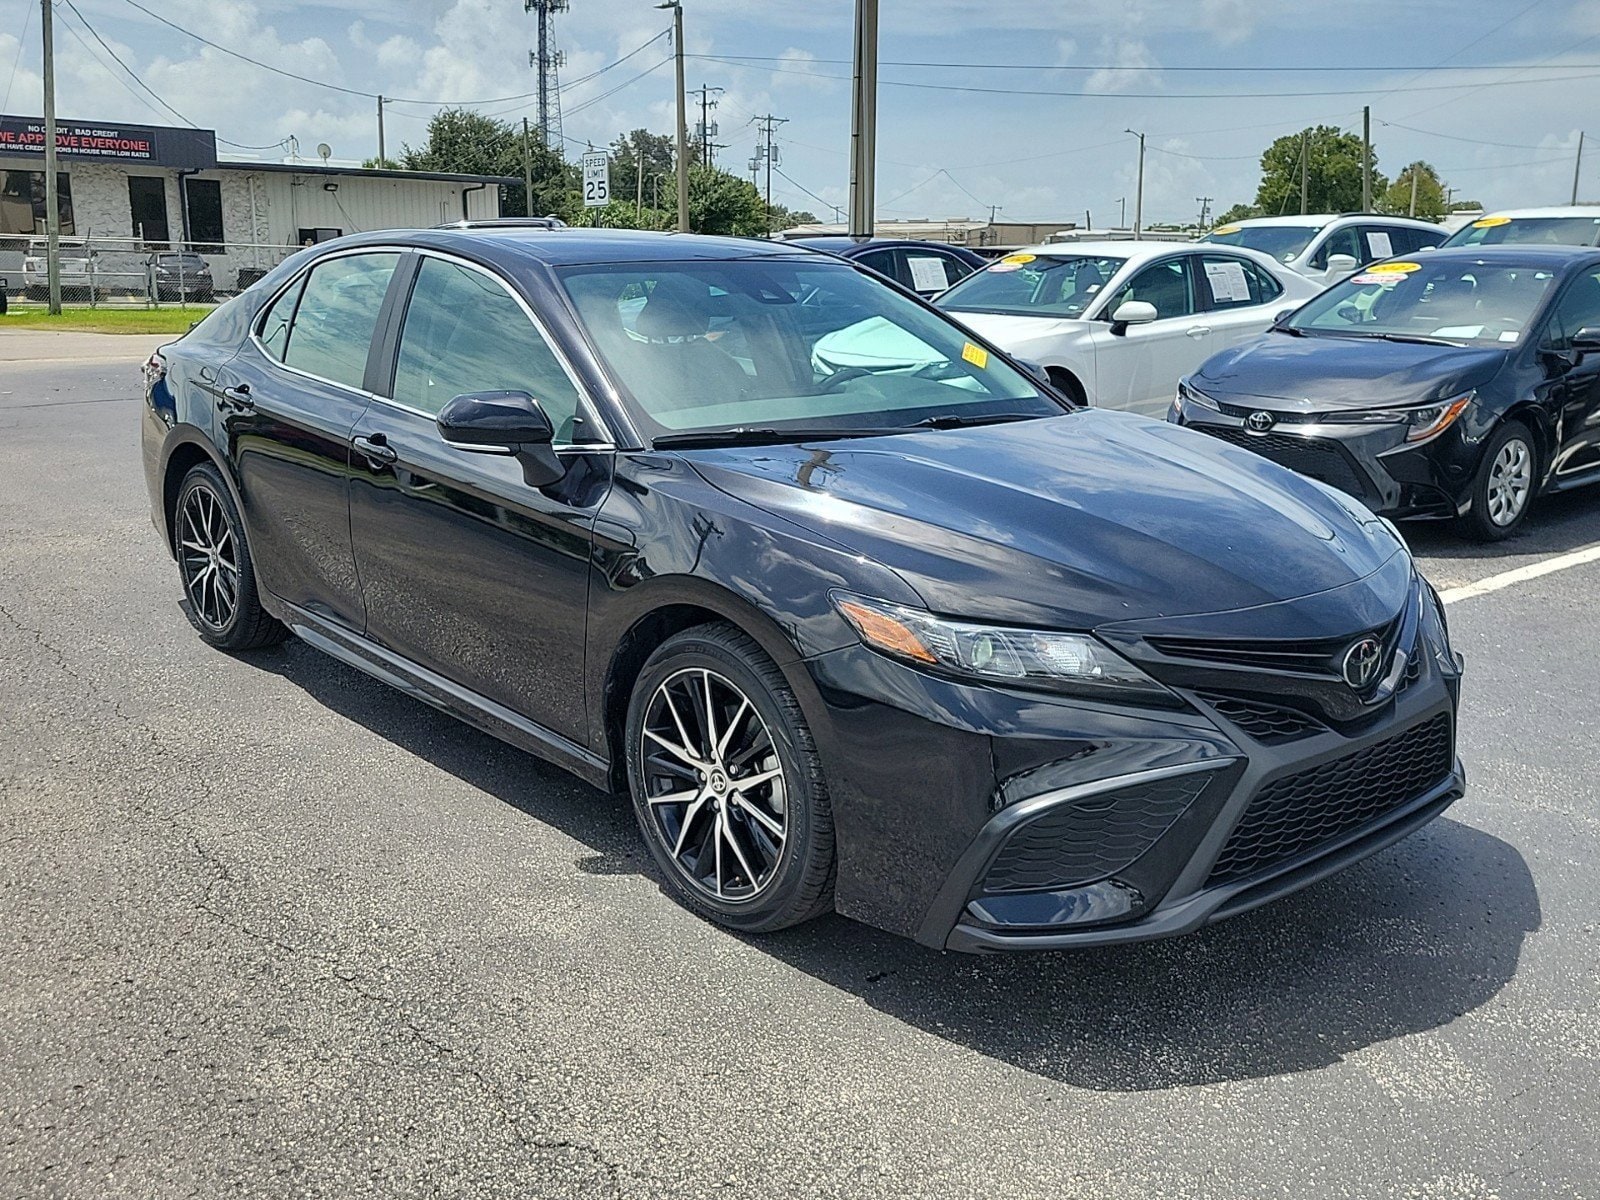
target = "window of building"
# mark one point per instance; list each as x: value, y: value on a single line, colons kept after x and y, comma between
x: 310, y: 237
x: 22, y: 206
x: 203, y: 199
x: 147, y: 203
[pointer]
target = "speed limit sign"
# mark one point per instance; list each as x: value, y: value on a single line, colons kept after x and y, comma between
x: 596, y: 180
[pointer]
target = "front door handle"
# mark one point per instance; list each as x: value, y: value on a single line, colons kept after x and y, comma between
x: 1197, y: 331
x: 238, y: 397
x: 375, y: 448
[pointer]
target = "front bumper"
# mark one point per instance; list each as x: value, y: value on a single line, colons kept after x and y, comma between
x: 1373, y: 463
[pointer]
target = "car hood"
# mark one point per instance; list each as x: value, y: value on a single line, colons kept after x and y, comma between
x: 1081, y: 521
x: 1316, y: 374
x: 1007, y: 329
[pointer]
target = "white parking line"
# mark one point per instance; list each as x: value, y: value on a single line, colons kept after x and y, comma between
x: 1494, y: 583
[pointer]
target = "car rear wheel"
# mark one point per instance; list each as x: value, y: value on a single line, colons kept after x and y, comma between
x: 219, y: 583
x: 1502, y: 491
x: 726, y: 783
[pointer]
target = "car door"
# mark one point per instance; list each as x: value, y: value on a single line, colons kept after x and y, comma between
x: 1573, y: 387
x: 466, y: 570
x: 286, y: 407
x: 1138, y: 368
x: 1238, y: 297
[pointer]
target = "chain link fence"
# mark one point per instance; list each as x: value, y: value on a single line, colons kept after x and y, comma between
x: 127, y: 272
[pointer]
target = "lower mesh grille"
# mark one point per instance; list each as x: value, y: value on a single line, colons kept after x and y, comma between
x: 1302, y: 811
x: 1267, y: 723
x: 1309, y: 456
x: 1094, y: 838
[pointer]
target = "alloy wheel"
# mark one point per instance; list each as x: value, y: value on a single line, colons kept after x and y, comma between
x: 714, y: 785
x: 1510, y: 481
x: 208, y: 556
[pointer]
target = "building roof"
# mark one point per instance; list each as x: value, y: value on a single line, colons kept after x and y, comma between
x: 362, y: 172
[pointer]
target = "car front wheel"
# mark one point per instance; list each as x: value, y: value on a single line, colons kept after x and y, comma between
x: 219, y: 582
x: 726, y: 783
x: 1502, y: 491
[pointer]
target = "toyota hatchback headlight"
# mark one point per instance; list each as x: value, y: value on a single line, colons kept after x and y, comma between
x: 1423, y: 423
x: 1037, y: 658
x: 1189, y: 394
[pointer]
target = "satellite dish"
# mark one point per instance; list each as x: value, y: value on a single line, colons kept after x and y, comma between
x: 324, y: 151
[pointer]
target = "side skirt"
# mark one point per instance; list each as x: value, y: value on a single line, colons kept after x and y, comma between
x: 434, y: 689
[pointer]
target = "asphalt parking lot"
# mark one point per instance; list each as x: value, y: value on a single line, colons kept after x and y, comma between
x: 273, y: 929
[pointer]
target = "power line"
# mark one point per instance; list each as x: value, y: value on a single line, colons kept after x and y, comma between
x: 1462, y: 50
x: 1154, y: 68
x: 1450, y: 137
x: 22, y: 40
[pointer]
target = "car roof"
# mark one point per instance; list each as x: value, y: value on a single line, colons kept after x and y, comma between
x: 1318, y: 220
x: 1138, y: 252
x: 571, y: 246
x: 841, y: 243
x: 1560, y: 210
x: 1553, y: 257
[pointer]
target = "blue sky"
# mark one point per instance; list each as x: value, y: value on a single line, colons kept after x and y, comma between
x: 1447, y: 79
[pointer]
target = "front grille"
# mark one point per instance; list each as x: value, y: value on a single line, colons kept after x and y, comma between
x: 1300, y: 656
x: 1302, y: 811
x: 1080, y: 843
x: 1316, y: 457
x: 1267, y: 723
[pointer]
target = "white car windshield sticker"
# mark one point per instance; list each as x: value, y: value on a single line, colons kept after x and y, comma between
x: 927, y: 274
x: 1378, y: 242
x: 1227, y: 281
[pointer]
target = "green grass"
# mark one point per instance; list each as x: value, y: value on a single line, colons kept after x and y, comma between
x: 108, y: 320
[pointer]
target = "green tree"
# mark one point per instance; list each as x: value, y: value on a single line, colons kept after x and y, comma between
x: 720, y: 203
x: 471, y: 143
x: 1239, y: 212
x: 1430, y: 193
x: 1331, y: 161
x: 641, y: 147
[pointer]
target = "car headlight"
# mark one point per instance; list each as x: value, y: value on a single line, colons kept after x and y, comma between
x: 1036, y: 658
x: 1423, y: 423
x: 1189, y: 394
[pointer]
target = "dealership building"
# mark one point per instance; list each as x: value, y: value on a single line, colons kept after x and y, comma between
x: 132, y: 190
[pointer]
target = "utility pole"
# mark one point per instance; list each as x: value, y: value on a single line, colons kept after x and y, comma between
x: 1088, y: 221
x: 381, y: 155
x: 683, y: 117
x: 706, y: 129
x: 1138, y: 195
x: 1577, y: 167
x: 527, y: 172
x: 52, y: 198
x: 1122, y: 212
x: 1366, y: 158
x: 1414, y: 173
x: 638, y: 183
x: 547, y: 60
x: 767, y: 124
x: 1305, y: 170
x: 1205, y: 211
x: 864, y: 121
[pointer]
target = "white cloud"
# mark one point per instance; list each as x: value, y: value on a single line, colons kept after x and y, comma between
x: 1129, y: 60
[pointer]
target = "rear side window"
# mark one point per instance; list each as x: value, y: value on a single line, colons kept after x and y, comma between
x: 934, y: 272
x: 275, y: 325
x: 1236, y: 283
x: 331, y: 331
x: 465, y: 333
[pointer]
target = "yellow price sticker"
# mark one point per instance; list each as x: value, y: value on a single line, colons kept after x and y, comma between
x: 1019, y: 259
x: 1393, y: 268
x: 1226, y: 229
x: 1491, y: 222
x: 976, y: 355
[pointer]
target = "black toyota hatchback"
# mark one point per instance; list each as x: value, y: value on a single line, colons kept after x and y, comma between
x: 925, y: 646
x: 1462, y: 383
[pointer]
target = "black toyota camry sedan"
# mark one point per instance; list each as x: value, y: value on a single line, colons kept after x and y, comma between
x: 1459, y: 384
x: 926, y: 646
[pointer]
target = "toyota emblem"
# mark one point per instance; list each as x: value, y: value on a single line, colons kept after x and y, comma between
x: 1259, y: 422
x: 1361, y: 663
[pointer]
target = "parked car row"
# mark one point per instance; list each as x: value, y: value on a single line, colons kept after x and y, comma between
x: 84, y: 275
x: 861, y: 612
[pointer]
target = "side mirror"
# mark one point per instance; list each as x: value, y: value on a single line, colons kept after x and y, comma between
x: 1341, y: 266
x: 1587, y: 340
x: 510, y: 423
x: 1282, y: 315
x: 1132, y: 312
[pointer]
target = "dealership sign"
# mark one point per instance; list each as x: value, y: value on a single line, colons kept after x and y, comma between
x: 147, y: 145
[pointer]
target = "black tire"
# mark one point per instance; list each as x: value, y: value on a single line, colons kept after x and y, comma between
x: 1068, y: 386
x: 791, y: 886
x: 1485, y: 522
x: 203, y: 511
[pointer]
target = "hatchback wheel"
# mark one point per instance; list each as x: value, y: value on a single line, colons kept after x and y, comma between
x: 1502, y: 492
x: 219, y: 582
x: 727, y: 785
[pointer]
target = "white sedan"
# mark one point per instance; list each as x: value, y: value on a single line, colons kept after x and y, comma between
x: 1116, y: 323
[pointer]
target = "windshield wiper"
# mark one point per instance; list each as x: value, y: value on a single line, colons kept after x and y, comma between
x: 1420, y: 339
x: 961, y: 421
x: 743, y: 436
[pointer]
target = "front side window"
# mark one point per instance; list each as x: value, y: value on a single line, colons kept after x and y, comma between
x: 1234, y: 283
x: 1035, y: 285
x: 785, y: 346
x: 332, y: 328
x: 1166, y: 285
x: 464, y: 333
x: 1462, y: 303
x: 1578, y: 308
x: 1341, y: 241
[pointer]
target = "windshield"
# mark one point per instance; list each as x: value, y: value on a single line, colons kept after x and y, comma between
x: 1528, y: 231
x: 1034, y: 285
x: 1466, y: 303
x: 808, y: 347
x: 1283, y: 242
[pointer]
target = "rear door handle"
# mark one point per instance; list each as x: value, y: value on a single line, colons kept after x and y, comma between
x: 1197, y: 331
x: 238, y: 397
x: 375, y: 448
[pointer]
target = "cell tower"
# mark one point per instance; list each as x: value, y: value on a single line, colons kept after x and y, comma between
x: 548, y: 61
